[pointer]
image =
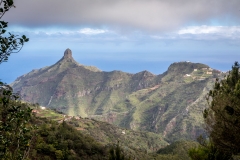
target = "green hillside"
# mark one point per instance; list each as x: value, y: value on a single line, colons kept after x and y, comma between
x: 176, y: 151
x: 169, y: 104
x: 106, y: 133
x: 135, y: 143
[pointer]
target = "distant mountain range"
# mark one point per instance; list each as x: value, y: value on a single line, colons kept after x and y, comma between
x: 170, y: 103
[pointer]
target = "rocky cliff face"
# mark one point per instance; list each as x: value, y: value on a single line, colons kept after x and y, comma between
x: 170, y: 103
x: 68, y: 54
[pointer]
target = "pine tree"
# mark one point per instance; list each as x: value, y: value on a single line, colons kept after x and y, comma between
x: 222, y: 117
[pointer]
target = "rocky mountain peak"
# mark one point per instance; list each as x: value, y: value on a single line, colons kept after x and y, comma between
x: 68, y: 61
x: 68, y: 54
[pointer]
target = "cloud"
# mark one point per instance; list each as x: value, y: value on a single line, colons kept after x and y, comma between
x: 223, y: 30
x: 211, y: 32
x: 202, y: 33
x: 90, y: 31
x: 98, y: 35
x: 149, y: 15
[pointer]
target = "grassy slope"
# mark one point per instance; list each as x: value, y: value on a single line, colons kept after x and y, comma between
x: 142, y: 145
x: 108, y: 134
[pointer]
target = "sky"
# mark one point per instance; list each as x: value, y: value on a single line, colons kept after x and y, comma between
x: 126, y: 35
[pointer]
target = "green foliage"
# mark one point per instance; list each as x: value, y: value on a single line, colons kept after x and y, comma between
x: 223, y: 114
x: 15, y: 127
x: 176, y: 151
x: 62, y: 141
x: 135, y: 143
x: 12, y: 43
x: 116, y: 153
x: 207, y: 151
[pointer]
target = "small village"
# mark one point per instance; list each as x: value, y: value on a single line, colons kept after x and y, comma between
x: 201, y: 74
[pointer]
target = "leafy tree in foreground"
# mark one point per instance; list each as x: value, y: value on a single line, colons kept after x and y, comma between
x: 222, y: 117
x: 15, y: 128
x: 12, y: 43
x: 15, y: 135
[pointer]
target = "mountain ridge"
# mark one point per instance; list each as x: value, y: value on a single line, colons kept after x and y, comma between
x: 141, y: 101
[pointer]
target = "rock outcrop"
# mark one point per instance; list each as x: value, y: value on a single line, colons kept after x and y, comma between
x: 68, y: 54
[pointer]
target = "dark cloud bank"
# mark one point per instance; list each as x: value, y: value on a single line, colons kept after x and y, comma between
x: 152, y: 15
